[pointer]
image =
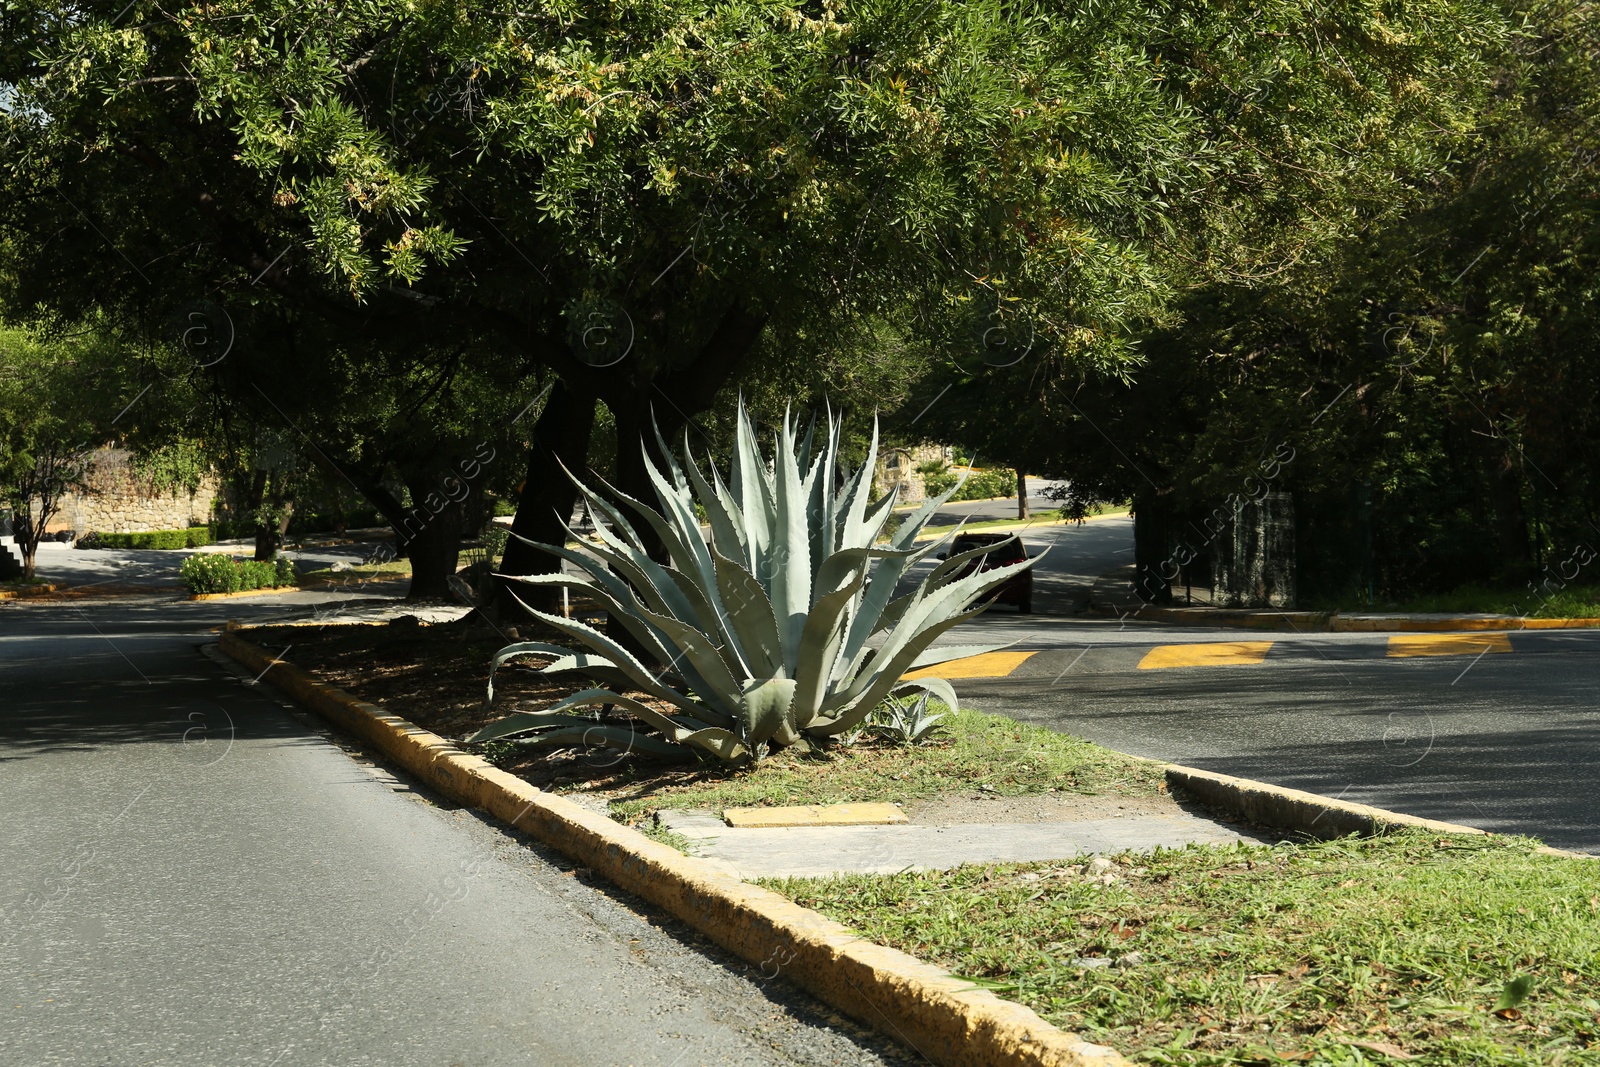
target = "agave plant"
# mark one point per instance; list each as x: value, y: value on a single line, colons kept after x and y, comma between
x: 780, y: 628
x: 905, y: 722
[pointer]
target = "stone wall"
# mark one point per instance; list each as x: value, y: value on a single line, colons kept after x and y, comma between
x: 898, y: 466
x: 116, y: 502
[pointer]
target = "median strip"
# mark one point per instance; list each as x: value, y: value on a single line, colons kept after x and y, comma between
x: 946, y: 1019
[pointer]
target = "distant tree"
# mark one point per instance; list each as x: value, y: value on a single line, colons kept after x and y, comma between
x: 50, y: 413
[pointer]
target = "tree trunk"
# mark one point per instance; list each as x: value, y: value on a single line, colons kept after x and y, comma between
x: 635, y: 433
x: 1022, y: 494
x: 561, y: 436
x: 26, y: 545
x: 1154, y: 564
x: 432, y: 538
x: 1510, y: 519
x: 253, y: 503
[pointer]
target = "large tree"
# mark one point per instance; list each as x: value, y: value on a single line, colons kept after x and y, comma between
x: 1452, y: 329
x: 638, y: 196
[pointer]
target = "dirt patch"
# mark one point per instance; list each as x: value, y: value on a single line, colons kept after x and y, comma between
x: 978, y: 807
x: 435, y: 676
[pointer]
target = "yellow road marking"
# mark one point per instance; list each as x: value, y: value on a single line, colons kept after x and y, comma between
x: 1447, y: 644
x: 1209, y: 654
x: 988, y: 665
x: 872, y: 814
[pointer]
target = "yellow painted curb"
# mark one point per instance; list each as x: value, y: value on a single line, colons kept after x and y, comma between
x: 26, y: 591
x: 987, y: 665
x: 816, y: 815
x: 948, y: 1020
x: 1205, y: 654
x: 1320, y: 622
x: 280, y: 589
x: 1406, y: 647
x: 1458, y: 623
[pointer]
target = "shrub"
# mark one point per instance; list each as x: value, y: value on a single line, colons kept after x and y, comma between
x: 779, y: 631
x: 193, y: 537
x: 212, y: 572
x: 980, y: 484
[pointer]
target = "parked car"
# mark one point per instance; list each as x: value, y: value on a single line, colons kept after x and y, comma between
x: 1016, y: 590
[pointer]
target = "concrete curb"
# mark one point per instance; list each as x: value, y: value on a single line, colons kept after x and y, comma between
x: 24, y: 592
x: 1324, y: 622
x: 1404, y: 623
x: 279, y: 589
x: 1309, y: 813
x: 947, y: 1020
x: 1292, y: 809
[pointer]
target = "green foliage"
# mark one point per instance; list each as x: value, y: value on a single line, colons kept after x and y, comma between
x: 970, y: 484
x: 193, y: 537
x: 906, y: 721
x: 213, y: 572
x: 768, y: 632
x: 173, y: 466
x: 52, y: 403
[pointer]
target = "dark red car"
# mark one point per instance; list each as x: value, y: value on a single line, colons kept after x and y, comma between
x: 1016, y: 590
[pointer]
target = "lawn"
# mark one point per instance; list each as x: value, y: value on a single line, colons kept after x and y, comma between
x: 1411, y: 947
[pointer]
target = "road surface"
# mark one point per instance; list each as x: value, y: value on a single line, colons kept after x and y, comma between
x: 193, y: 875
x: 1498, y: 731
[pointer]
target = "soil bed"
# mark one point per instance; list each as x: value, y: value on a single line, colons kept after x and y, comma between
x: 435, y: 676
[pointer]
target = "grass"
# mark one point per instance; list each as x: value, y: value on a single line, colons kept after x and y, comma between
x: 1339, y: 953
x: 976, y: 750
x: 1571, y: 602
x: 356, y: 572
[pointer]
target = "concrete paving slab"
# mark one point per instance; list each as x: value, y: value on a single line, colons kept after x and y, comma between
x: 816, y: 815
x: 818, y: 851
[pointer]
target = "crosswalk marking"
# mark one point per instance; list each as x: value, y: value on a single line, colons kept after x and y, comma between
x: 1407, y: 645
x: 1208, y: 654
x: 988, y: 665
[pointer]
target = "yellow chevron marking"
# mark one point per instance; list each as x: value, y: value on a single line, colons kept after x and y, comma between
x: 1209, y: 654
x: 1406, y: 645
x: 988, y: 665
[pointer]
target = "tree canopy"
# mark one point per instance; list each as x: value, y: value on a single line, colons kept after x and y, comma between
x: 652, y: 199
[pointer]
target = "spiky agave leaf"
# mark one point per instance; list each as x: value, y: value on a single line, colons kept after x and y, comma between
x: 782, y: 624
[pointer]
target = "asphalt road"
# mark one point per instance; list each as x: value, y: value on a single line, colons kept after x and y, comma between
x: 193, y: 875
x: 1495, y: 732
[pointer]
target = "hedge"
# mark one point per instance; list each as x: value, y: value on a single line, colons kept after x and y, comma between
x: 212, y: 572
x: 193, y: 537
x: 980, y: 484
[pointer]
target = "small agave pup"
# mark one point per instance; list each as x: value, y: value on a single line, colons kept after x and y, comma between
x: 777, y: 631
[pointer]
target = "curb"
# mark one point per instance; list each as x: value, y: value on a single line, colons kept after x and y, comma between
x: 948, y: 1020
x: 24, y: 592
x: 1325, y: 622
x: 1310, y: 813
x: 1367, y: 624
x: 1293, y: 809
x: 279, y: 589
